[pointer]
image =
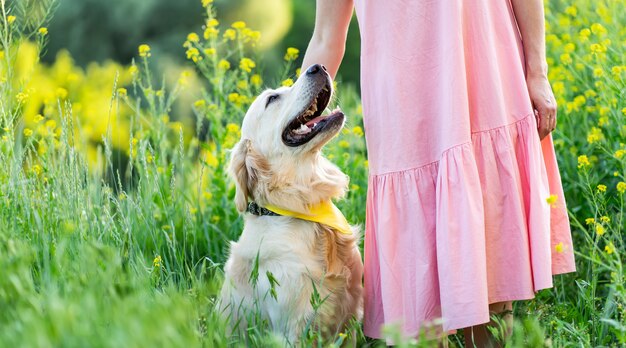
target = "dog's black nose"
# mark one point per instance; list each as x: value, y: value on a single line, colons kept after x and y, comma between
x: 314, y: 69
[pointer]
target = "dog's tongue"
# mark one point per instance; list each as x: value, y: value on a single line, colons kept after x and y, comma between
x: 316, y: 120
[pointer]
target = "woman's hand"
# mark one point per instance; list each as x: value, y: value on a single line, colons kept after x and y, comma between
x: 544, y: 104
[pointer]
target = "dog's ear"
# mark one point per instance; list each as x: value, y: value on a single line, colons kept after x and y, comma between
x: 239, y: 172
x: 247, y: 167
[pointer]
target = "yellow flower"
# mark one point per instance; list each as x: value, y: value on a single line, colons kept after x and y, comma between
x: 292, y: 54
x: 134, y: 141
x: 133, y: 69
x: 621, y: 187
x: 38, y: 118
x: 11, y: 19
x: 232, y: 128
x: 206, y: 3
x: 344, y: 144
x: 28, y: 132
x: 199, y: 104
x: 210, y: 51
x: 122, y: 92
x: 157, y: 261
x: 247, y: 64
x: 559, y: 247
x: 36, y: 169
x: 589, y: 221
x: 193, y: 54
x: 230, y: 34
x: 193, y: 37
x: 239, y: 25
x: 609, y: 248
x: 595, y: 135
x: 149, y: 158
x: 600, y: 229
x: 605, y: 219
x: 61, y: 93
x: 211, y: 23
x: 566, y: 59
x: 256, y: 80
x: 551, y: 200
x: 598, y: 29
x: 144, y: 50
x: 598, y: 72
x: 287, y: 83
x: 21, y: 97
x: 43, y: 31
x: 358, y: 131
x: 619, y: 153
x: 601, y: 188
x: 210, y: 33
x: 583, y: 161
x: 354, y: 187
x: 223, y: 64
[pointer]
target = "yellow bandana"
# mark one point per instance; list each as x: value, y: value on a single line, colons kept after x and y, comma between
x: 325, y: 213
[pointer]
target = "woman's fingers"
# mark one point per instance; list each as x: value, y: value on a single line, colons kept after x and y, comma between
x: 544, y: 104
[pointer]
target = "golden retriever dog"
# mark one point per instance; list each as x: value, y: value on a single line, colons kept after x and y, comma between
x: 281, y: 262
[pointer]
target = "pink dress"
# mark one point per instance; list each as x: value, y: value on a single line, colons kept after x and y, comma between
x: 457, y: 216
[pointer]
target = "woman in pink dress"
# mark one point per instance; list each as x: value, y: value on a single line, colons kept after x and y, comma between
x: 458, y: 112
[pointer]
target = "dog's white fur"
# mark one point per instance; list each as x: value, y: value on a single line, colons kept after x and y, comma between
x: 301, y: 255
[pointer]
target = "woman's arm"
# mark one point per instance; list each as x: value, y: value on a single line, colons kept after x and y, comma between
x: 328, y: 42
x: 530, y: 19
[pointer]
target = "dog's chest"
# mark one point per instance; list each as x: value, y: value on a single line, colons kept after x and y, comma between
x: 276, y: 247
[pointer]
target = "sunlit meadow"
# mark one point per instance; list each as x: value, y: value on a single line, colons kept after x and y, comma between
x: 116, y: 212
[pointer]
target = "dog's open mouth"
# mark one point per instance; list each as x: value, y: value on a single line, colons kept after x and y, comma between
x: 311, y: 122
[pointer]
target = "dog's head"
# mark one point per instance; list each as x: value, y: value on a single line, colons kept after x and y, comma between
x: 278, y: 159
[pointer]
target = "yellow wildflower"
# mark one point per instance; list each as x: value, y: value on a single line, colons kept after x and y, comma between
x: 28, y: 132
x: 38, y: 118
x: 583, y: 161
x: 193, y: 54
x: 605, y: 219
x: 559, y: 247
x: 36, y: 169
x: 292, y: 54
x: 122, y: 92
x: 589, y: 221
x: 551, y: 200
x: 157, y: 261
x: 621, y: 187
x: 600, y: 229
x: 566, y: 59
x: 358, y: 131
x: 21, y: 97
x: 344, y: 144
x: 210, y: 51
x: 61, y: 93
x: 133, y: 69
x: 11, y: 19
x: 43, y: 31
x: 232, y: 128
x: 230, y: 34
x: 598, y: 72
x: 210, y: 33
x: 247, y: 64
x: 601, y: 188
x: 595, y: 135
x: 223, y: 64
x: 598, y: 29
x: 287, y: 83
x: 206, y: 3
x: 199, y: 104
x: 211, y: 23
x: 256, y: 80
x: 609, y: 248
x: 144, y: 50
x: 193, y: 37
x: 239, y: 25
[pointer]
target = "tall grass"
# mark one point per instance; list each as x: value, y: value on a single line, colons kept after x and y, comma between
x: 111, y: 240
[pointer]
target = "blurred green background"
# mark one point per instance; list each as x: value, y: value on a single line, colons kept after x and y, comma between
x: 95, y: 30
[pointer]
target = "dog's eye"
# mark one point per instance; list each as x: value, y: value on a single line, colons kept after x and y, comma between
x: 271, y: 98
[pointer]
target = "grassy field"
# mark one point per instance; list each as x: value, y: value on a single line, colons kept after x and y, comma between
x: 115, y: 210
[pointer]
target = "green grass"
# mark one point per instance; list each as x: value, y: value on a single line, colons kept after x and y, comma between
x: 127, y: 248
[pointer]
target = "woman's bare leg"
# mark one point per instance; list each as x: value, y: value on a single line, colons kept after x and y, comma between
x: 480, y: 337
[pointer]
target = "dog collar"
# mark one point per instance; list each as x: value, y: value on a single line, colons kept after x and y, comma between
x: 255, y: 209
x: 325, y: 213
